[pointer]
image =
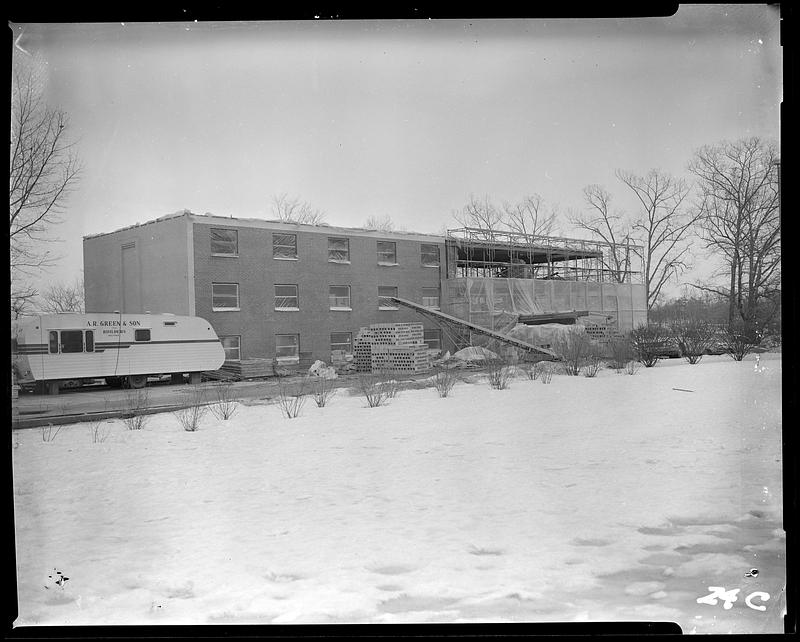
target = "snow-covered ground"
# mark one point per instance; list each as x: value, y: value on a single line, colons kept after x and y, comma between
x: 613, y: 498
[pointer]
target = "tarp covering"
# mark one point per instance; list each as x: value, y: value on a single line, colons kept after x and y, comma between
x: 545, y: 335
x: 474, y: 353
x: 497, y: 303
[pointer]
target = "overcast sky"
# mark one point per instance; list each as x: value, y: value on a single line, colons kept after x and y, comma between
x: 394, y: 118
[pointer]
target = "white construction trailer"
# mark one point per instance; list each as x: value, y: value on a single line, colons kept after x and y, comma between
x: 53, y: 350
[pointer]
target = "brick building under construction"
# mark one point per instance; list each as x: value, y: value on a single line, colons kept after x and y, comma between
x: 292, y: 292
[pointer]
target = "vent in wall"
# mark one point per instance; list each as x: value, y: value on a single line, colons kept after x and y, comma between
x: 128, y: 245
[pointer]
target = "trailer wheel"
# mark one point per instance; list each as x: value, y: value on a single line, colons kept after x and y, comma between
x: 137, y: 381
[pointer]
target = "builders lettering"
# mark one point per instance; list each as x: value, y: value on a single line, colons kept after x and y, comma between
x: 98, y: 324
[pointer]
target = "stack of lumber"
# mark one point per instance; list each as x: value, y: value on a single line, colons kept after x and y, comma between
x: 250, y: 368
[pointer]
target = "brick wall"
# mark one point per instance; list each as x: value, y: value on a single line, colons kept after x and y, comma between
x: 257, y: 273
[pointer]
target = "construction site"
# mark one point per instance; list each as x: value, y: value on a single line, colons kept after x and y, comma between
x: 506, y: 290
x: 282, y: 296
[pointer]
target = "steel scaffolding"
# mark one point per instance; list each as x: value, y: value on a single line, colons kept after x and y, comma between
x: 475, y: 252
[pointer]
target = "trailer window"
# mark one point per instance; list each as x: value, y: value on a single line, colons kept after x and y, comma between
x: 142, y: 335
x: 53, y: 342
x: 90, y: 341
x: 71, y: 341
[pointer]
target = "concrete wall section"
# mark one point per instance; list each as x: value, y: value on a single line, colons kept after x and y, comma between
x: 139, y: 269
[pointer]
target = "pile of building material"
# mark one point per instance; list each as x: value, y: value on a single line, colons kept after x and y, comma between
x: 321, y: 370
x: 250, y: 368
x: 342, y: 361
x: 545, y: 335
x: 391, y: 347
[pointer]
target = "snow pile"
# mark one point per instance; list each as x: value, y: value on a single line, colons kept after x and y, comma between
x: 320, y: 369
x: 612, y: 498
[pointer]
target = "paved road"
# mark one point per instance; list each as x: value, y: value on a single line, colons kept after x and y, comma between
x: 73, y: 405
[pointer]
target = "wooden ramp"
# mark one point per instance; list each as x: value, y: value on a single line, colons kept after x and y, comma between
x: 449, y: 323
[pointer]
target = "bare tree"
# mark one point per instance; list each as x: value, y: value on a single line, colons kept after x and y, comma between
x: 22, y: 300
x: 481, y: 215
x: 609, y: 227
x: 292, y: 210
x: 739, y: 213
x: 382, y: 224
x: 530, y: 217
x: 662, y: 229
x: 43, y: 171
x: 61, y: 297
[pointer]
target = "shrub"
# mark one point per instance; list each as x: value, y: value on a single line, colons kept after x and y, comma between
x: 226, y: 404
x: 621, y: 352
x: 648, y: 343
x: 96, y: 432
x: 573, y: 348
x: 632, y: 367
x: 529, y: 369
x: 195, y: 409
x: 48, y: 434
x: 444, y: 379
x: 324, y: 390
x: 135, y: 408
x: 592, y: 362
x: 546, y: 372
x: 739, y: 339
x: 694, y: 338
x: 499, y: 372
x: 372, y: 387
x: 292, y: 396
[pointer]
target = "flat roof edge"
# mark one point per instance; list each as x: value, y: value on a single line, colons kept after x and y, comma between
x: 210, y: 219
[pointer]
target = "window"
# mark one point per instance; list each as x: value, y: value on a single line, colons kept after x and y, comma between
x: 430, y: 255
x: 224, y: 296
x: 53, y: 342
x: 284, y: 246
x: 286, y: 297
x: 141, y: 335
x: 224, y: 242
x: 384, y: 291
x: 71, y: 341
x: 232, y: 346
x: 342, y: 341
x: 338, y: 250
x: 433, y: 339
x: 430, y: 297
x: 90, y: 341
x: 339, y: 297
x: 287, y: 348
x: 387, y: 253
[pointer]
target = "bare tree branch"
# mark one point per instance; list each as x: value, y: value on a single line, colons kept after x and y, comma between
x: 382, y: 224
x: 43, y: 171
x: 739, y: 216
x: 292, y: 210
x: 609, y: 227
x: 481, y: 215
x: 61, y: 297
x: 662, y: 228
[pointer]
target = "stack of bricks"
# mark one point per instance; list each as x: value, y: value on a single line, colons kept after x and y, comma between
x: 362, y: 350
x: 393, y: 347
